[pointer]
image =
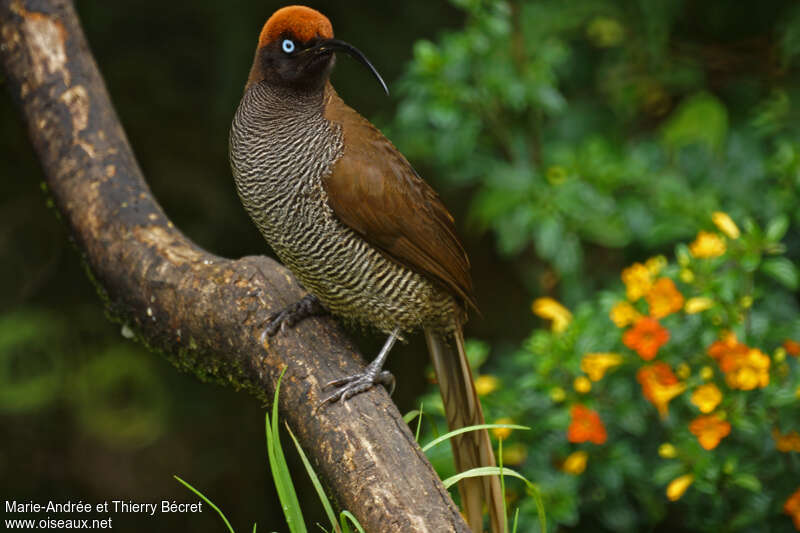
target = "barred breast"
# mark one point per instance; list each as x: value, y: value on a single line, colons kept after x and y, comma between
x: 281, y: 148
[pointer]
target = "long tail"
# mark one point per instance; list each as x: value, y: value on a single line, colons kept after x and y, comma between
x: 474, y: 448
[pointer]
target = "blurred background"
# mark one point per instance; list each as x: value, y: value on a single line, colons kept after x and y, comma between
x: 569, y: 139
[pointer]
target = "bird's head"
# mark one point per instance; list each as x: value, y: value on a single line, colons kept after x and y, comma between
x: 296, y: 49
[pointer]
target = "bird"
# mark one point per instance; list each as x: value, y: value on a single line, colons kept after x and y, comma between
x: 369, y: 240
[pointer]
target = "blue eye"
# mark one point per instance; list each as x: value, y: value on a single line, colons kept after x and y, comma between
x: 288, y: 46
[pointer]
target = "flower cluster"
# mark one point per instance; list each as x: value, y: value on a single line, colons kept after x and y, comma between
x: 745, y: 368
x: 688, y: 346
x: 654, y: 304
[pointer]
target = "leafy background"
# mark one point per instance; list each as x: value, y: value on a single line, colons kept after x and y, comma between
x: 570, y: 139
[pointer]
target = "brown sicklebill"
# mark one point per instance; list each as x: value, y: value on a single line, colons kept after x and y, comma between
x: 369, y: 240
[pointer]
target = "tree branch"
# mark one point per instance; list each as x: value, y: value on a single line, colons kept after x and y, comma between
x: 203, y: 312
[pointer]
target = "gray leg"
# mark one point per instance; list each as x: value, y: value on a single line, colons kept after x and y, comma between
x: 372, y: 375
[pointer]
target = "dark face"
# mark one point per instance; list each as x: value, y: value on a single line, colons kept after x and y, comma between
x: 305, y: 66
x: 291, y: 63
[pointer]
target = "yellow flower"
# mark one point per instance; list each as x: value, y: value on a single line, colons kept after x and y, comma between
x: 623, y: 314
x: 706, y: 373
x: 663, y: 298
x: 746, y: 301
x: 514, y: 454
x: 667, y: 451
x: 725, y: 224
x: 502, y: 433
x: 486, y: 384
x: 656, y: 264
x: 582, y: 384
x: 698, y: 304
x: 637, y: 280
x: 706, y: 397
x: 575, y: 463
x: 596, y: 364
x: 557, y: 394
x: 683, y: 371
x: 707, y: 245
x: 678, y: 486
x: 550, y: 309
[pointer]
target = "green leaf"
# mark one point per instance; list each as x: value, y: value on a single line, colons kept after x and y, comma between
x: 748, y: 481
x: 783, y: 271
x: 777, y: 227
x: 700, y: 119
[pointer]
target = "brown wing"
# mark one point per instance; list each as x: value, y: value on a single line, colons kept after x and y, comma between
x: 374, y: 190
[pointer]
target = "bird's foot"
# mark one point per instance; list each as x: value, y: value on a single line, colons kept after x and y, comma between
x: 290, y: 315
x: 358, y: 383
x: 371, y: 376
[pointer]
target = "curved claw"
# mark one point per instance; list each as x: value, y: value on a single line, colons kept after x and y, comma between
x: 356, y: 384
x: 290, y: 315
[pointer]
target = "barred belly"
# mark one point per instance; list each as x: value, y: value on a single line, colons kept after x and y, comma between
x: 279, y: 162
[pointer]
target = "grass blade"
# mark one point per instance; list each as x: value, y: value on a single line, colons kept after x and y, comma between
x: 411, y: 415
x: 483, y: 471
x: 459, y: 431
x: 210, y: 504
x: 315, y: 481
x: 419, y: 423
x: 349, y: 516
x: 280, y: 470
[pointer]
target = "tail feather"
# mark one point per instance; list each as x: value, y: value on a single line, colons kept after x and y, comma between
x: 474, y: 448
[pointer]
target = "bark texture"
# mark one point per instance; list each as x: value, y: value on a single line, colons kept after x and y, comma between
x: 201, y: 311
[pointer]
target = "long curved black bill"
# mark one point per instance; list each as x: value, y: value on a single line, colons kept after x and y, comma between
x: 336, y: 44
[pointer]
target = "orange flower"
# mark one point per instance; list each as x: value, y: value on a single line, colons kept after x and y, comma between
x: 586, y: 426
x: 745, y: 368
x: 709, y: 430
x: 664, y: 298
x: 792, y: 347
x: 786, y: 443
x: 623, y: 314
x: 659, y: 385
x: 707, y: 245
x: 637, y: 280
x: 706, y: 397
x: 792, y: 508
x: 646, y: 337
